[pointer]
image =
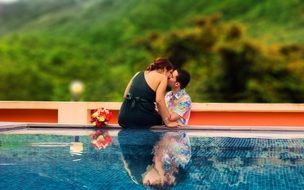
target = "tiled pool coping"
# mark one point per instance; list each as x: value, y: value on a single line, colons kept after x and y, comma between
x: 194, y: 133
x: 6, y: 126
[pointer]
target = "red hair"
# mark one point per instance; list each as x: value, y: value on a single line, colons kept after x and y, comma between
x: 160, y: 63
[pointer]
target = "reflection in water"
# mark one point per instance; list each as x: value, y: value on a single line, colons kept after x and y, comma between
x: 101, y: 139
x: 241, y: 163
x: 216, y: 162
x: 155, y: 159
x: 76, y: 147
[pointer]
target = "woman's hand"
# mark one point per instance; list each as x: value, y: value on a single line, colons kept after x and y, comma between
x: 171, y: 124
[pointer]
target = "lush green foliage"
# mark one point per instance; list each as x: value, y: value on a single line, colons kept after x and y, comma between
x: 44, y: 45
x: 227, y: 66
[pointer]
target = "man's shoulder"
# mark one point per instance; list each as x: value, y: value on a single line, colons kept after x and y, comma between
x: 186, y: 96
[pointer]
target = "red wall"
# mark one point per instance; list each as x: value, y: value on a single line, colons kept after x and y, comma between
x: 29, y: 115
x: 248, y: 118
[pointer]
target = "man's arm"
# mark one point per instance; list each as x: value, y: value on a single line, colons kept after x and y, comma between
x: 180, y: 109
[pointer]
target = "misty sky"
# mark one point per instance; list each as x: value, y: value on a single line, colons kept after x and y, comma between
x: 8, y: 0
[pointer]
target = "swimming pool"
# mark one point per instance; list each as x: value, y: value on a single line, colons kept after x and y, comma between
x: 53, y: 159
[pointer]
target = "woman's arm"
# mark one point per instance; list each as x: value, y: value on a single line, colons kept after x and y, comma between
x: 174, y: 116
x: 160, y: 102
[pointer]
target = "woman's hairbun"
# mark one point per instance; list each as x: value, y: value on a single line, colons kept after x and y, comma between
x: 160, y: 63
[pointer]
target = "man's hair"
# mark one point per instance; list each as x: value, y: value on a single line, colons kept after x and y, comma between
x: 183, y: 78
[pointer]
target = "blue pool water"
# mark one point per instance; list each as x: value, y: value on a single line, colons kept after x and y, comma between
x: 50, y: 162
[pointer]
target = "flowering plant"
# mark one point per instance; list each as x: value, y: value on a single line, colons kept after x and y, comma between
x: 101, y: 140
x: 101, y: 117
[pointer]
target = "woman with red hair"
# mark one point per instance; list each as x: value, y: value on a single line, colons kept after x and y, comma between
x: 144, y: 98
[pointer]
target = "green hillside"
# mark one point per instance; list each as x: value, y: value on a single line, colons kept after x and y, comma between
x: 45, y: 44
x: 262, y: 18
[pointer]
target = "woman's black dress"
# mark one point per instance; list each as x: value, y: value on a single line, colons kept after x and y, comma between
x: 138, y: 108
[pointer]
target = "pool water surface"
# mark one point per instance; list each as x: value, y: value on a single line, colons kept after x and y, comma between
x: 78, y: 161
